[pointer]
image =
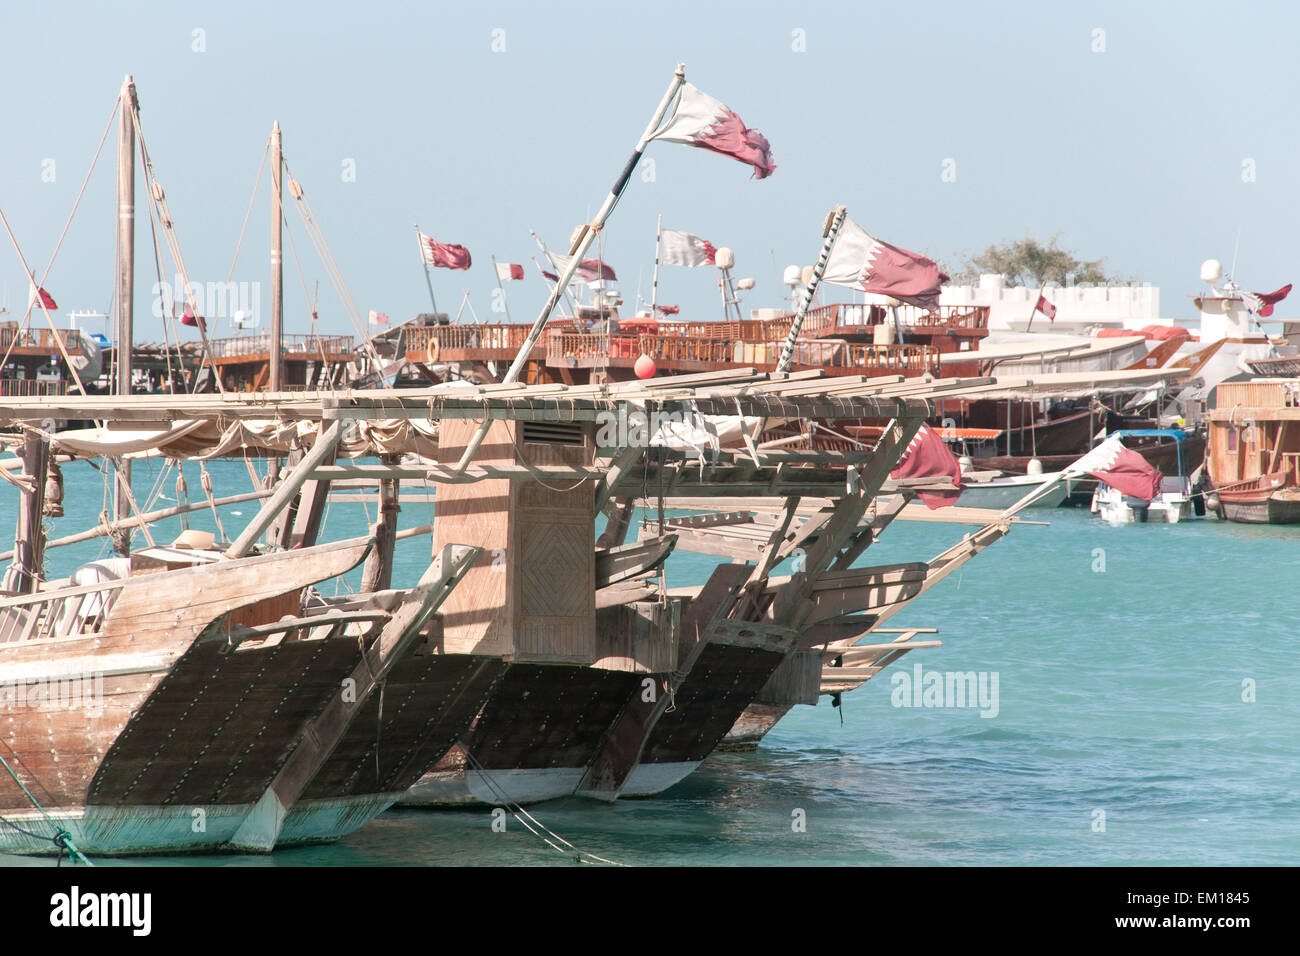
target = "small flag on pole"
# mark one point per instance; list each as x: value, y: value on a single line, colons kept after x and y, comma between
x: 700, y: 120
x: 1046, y: 308
x: 37, y: 295
x: 550, y: 275
x: 668, y: 309
x: 507, y: 271
x: 189, y: 317
x: 378, y: 318
x: 443, y: 255
x: 682, y: 249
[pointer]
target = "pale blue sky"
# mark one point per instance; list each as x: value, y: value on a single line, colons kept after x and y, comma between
x: 1133, y: 154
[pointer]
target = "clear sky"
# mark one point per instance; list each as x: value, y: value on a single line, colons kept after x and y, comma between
x: 1149, y: 135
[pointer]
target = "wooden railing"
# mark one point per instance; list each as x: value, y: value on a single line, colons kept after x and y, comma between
x: 40, y: 339
x: 600, y: 350
x: 946, y: 316
x: 17, y: 387
x: 308, y: 345
x: 682, y: 348
x: 67, y: 613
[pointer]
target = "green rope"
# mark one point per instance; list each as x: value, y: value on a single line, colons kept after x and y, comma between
x: 62, y: 838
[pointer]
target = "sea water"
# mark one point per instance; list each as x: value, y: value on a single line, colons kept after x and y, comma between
x: 1147, y: 712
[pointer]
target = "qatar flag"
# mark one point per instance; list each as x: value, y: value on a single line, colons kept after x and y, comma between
x: 507, y: 271
x: 1121, y: 468
x: 860, y: 261
x: 700, y: 120
x: 682, y: 249
x: 1264, y: 301
x: 668, y: 309
x: 589, y: 270
x: 37, y: 295
x: 1046, y: 308
x: 926, y: 456
x: 188, y: 317
x: 443, y: 255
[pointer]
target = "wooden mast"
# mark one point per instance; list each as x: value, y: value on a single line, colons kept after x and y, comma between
x: 29, y: 534
x: 277, y: 261
x: 125, y: 282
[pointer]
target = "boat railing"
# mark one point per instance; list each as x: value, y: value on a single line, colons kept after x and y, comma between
x: 945, y: 316
x: 19, y: 387
x: 67, y: 612
x: 592, y: 350
x: 308, y: 345
x: 44, y: 339
x: 673, y: 348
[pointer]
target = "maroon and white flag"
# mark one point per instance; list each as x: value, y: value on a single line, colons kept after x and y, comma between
x: 668, y: 309
x: 926, y: 456
x: 1046, y: 308
x: 188, y: 317
x: 589, y: 270
x: 378, y: 318
x: 860, y: 261
x: 1121, y: 468
x: 682, y: 249
x: 507, y: 271
x: 38, y: 296
x: 443, y: 255
x: 1264, y: 301
x: 700, y: 120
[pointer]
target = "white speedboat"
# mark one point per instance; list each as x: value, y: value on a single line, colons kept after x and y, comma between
x: 1177, y: 501
x: 1003, y: 492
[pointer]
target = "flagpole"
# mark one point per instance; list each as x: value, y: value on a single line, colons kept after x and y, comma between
x: 1034, y: 310
x: 654, y: 282
x: 500, y: 286
x: 419, y: 241
x: 582, y: 242
x: 832, y: 233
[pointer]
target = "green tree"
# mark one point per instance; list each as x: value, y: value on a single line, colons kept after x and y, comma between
x: 1028, y: 262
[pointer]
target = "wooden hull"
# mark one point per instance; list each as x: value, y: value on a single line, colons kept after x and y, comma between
x: 1272, y: 510
x: 1268, y: 499
x: 191, y: 727
x: 537, y: 733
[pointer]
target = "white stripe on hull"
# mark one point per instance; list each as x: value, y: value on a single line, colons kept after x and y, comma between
x: 120, y: 831
x: 647, y: 779
x: 456, y: 787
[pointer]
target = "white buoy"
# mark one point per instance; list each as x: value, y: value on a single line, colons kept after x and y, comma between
x: 1035, y: 467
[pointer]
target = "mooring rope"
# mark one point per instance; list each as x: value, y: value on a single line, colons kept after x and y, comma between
x: 532, y: 824
x: 62, y: 838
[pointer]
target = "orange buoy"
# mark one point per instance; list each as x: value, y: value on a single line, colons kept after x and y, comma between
x: 644, y: 367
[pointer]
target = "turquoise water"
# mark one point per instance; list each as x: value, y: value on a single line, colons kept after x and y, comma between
x: 1122, y: 658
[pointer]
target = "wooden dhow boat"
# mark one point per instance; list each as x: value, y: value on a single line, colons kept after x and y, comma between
x: 1253, y: 458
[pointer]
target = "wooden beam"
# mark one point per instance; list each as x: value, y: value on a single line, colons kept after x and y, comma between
x: 288, y: 489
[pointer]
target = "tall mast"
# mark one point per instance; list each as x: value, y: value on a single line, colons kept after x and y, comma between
x: 125, y: 279
x: 277, y: 260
